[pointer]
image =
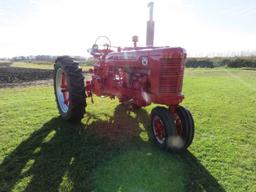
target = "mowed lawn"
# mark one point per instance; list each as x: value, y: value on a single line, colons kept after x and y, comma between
x: 110, y: 150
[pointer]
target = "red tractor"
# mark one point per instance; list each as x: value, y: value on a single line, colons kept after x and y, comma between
x: 137, y: 76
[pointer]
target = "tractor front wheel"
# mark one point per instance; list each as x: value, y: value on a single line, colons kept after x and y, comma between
x: 174, y: 132
x: 69, y: 89
x: 162, y: 126
x: 185, y: 127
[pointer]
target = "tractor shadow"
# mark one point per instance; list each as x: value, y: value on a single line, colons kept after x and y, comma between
x: 198, y: 177
x: 124, y: 125
x: 62, y: 156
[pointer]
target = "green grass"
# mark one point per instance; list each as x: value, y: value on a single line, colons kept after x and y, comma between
x: 110, y: 150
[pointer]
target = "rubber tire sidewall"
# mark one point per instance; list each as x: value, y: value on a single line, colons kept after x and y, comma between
x: 168, y: 122
x: 75, y: 110
x: 187, y: 122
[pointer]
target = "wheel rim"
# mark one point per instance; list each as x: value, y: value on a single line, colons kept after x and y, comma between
x: 177, y: 141
x: 179, y: 127
x: 159, y: 130
x: 62, y: 90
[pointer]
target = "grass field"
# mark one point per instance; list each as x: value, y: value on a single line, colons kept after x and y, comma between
x: 110, y: 150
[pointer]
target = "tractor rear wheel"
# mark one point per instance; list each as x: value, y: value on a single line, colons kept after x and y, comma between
x: 69, y: 89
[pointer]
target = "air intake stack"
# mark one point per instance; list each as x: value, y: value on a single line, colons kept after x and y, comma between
x: 150, y: 26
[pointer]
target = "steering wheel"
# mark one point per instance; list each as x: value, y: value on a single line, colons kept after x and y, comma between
x: 102, y: 42
x: 101, y: 45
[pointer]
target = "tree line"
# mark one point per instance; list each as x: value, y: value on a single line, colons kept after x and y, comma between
x: 49, y: 59
x: 233, y: 62
x: 204, y: 62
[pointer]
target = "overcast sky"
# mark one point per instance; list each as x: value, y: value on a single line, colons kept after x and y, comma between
x: 57, y: 27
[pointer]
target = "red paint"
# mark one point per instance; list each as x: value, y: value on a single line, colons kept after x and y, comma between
x: 144, y: 74
x: 159, y: 129
x: 64, y: 88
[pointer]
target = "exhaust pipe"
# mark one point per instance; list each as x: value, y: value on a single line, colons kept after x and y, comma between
x: 150, y: 27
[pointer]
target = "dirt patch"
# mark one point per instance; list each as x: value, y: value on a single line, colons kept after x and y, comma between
x: 13, y: 76
x: 22, y: 77
x: 26, y: 84
x: 5, y: 64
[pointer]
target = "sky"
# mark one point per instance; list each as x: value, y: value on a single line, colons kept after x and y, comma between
x: 70, y: 27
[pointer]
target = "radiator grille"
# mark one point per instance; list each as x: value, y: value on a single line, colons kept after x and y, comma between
x: 169, y: 75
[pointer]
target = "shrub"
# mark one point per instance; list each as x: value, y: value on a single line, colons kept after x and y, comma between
x: 238, y: 62
x: 233, y: 62
x: 204, y: 63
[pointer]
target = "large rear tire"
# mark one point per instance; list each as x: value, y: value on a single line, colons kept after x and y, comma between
x: 69, y: 89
